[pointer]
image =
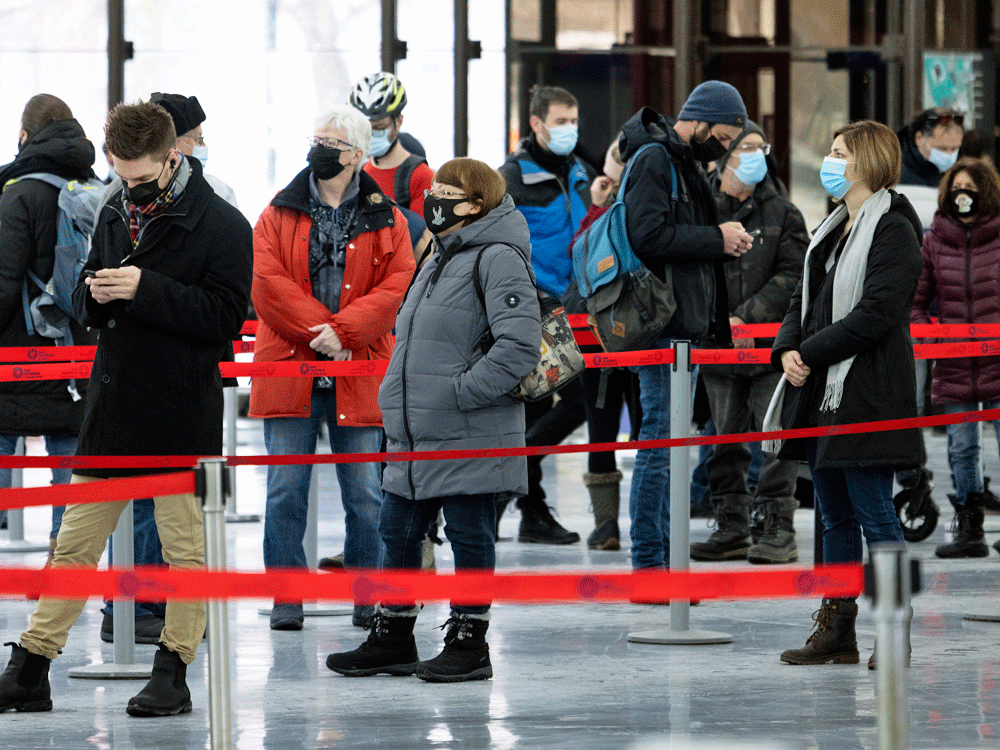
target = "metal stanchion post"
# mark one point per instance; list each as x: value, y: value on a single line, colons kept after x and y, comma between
x: 230, y: 406
x: 892, y: 605
x: 680, y: 510
x: 124, y: 666
x: 15, y: 517
x: 211, y: 473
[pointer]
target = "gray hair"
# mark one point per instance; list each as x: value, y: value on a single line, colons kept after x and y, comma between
x: 353, y: 124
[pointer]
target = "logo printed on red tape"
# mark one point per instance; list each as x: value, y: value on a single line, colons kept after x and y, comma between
x: 132, y: 585
x: 367, y: 591
x: 806, y: 582
x: 590, y: 587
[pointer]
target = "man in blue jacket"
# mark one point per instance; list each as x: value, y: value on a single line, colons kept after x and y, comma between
x: 550, y: 186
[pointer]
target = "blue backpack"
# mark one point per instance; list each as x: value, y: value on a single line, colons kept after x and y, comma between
x: 49, y: 314
x: 628, y: 306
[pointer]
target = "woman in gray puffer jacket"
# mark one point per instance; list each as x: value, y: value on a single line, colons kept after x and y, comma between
x: 448, y: 387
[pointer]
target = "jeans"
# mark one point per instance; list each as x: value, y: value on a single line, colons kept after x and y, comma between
x: 851, y: 500
x: 549, y: 422
x: 288, y: 486
x: 146, y: 550
x: 603, y: 424
x: 649, y: 498
x: 470, y: 525
x: 56, y: 444
x: 963, y: 450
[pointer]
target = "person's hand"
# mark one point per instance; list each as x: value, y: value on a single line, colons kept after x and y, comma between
x: 600, y: 190
x: 114, y: 283
x: 326, y: 341
x: 741, y: 343
x: 735, y: 240
x: 796, y: 371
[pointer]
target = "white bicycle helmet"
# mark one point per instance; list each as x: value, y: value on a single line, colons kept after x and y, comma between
x: 378, y: 95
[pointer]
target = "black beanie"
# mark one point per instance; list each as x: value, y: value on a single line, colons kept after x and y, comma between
x: 185, y: 111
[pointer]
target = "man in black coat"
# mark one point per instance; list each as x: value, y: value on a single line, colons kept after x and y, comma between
x: 167, y: 282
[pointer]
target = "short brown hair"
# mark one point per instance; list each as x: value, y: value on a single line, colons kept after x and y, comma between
x: 484, y: 185
x: 987, y: 181
x: 141, y: 129
x: 543, y: 97
x: 42, y: 109
x: 877, y: 156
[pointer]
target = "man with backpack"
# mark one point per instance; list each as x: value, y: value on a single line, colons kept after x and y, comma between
x: 52, y: 151
x: 674, y: 229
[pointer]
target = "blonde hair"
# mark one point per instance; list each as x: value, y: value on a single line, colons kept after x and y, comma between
x: 877, y: 156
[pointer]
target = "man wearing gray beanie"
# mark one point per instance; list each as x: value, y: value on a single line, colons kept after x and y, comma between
x: 674, y: 229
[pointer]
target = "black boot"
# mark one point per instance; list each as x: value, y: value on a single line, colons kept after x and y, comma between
x: 731, y: 538
x: 606, y: 500
x: 991, y: 503
x: 166, y: 693
x: 777, y: 540
x: 24, y: 685
x: 833, y: 640
x: 390, y: 648
x: 466, y: 655
x: 539, y: 527
x: 968, y: 529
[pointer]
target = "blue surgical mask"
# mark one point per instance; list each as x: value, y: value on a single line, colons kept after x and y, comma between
x: 942, y: 159
x: 831, y: 174
x: 201, y: 154
x: 380, y: 143
x: 752, y: 168
x: 562, y: 139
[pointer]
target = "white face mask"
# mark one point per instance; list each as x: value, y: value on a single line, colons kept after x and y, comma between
x: 201, y: 154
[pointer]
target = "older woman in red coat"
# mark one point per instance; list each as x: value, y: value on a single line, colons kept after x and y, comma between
x: 961, y: 257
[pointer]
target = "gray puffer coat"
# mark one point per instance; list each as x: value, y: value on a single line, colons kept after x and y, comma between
x: 440, y: 391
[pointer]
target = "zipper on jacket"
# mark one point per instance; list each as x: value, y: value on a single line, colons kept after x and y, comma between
x: 406, y: 411
x: 974, y: 365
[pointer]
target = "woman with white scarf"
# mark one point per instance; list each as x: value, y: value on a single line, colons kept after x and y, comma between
x: 844, y: 347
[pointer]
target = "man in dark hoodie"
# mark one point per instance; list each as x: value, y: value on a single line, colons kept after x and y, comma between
x: 930, y: 145
x: 679, y: 239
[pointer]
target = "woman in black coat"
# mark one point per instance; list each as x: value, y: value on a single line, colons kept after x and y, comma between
x: 844, y: 347
x: 49, y: 142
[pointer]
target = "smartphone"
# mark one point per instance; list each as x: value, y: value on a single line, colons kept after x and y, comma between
x: 90, y: 274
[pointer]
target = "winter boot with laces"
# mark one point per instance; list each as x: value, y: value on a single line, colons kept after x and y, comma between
x: 390, y: 648
x: 24, y: 684
x: 833, y: 639
x: 466, y: 655
x: 606, y: 500
x: 539, y: 527
x: 777, y: 540
x: 968, y: 529
x: 166, y: 693
x: 731, y: 538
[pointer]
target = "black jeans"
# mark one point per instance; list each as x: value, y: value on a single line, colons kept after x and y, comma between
x: 621, y: 387
x: 550, y: 423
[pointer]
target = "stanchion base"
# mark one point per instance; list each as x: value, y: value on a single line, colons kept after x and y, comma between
x: 23, y: 546
x: 236, y: 518
x: 985, y: 617
x: 112, y: 671
x: 692, y: 637
x: 315, y: 611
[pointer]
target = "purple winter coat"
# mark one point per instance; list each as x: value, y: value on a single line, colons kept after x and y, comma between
x: 962, y: 270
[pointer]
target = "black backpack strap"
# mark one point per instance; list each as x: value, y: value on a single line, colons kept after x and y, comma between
x: 401, y: 180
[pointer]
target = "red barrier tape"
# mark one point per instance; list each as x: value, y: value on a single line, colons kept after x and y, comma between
x: 397, y: 587
x: 105, y: 491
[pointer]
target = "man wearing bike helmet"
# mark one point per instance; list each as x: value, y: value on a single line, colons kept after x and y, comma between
x: 399, y: 173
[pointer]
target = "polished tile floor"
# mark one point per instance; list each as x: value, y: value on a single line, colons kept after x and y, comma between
x: 565, y: 676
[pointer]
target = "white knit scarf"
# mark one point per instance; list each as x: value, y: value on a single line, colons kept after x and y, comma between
x: 848, y: 284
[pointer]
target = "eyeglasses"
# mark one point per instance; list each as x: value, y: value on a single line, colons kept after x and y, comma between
x: 199, y: 140
x: 946, y: 118
x: 446, y: 194
x: 749, y: 148
x: 330, y: 143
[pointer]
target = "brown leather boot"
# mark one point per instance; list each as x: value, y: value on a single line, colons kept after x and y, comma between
x: 833, y: 640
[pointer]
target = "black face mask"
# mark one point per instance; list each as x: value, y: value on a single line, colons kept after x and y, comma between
x: 325, y: 162
x: 439, y: 213
x: 963, y: 204
x: 146, y: 192
x: 708, y: 150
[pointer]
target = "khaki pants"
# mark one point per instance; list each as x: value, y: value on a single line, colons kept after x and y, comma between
x: 82, y: 539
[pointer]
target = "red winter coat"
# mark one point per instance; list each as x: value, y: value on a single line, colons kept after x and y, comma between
x: 962, y: 270
x: 377, y: 274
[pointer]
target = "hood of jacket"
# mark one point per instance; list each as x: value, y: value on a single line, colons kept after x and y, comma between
x: 649, y: 126
x: 902, y: 204
x: 59, y: 147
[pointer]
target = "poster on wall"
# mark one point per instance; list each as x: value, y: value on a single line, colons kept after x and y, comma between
x: 953, y: 80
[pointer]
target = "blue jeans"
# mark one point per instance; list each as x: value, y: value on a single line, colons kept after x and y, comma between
x: 146, y: 550
x: 963, y: 450
x: 56, y: 444
x: 649, y: 497
x: 288, y: 486
x: 851, y: 500
x: 470, y: 525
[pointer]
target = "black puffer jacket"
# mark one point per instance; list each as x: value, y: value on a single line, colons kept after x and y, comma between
x: 683, y: 234
x: 28, y: 214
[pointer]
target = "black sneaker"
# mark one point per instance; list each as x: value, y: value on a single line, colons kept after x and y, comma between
x: 539, y: 527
